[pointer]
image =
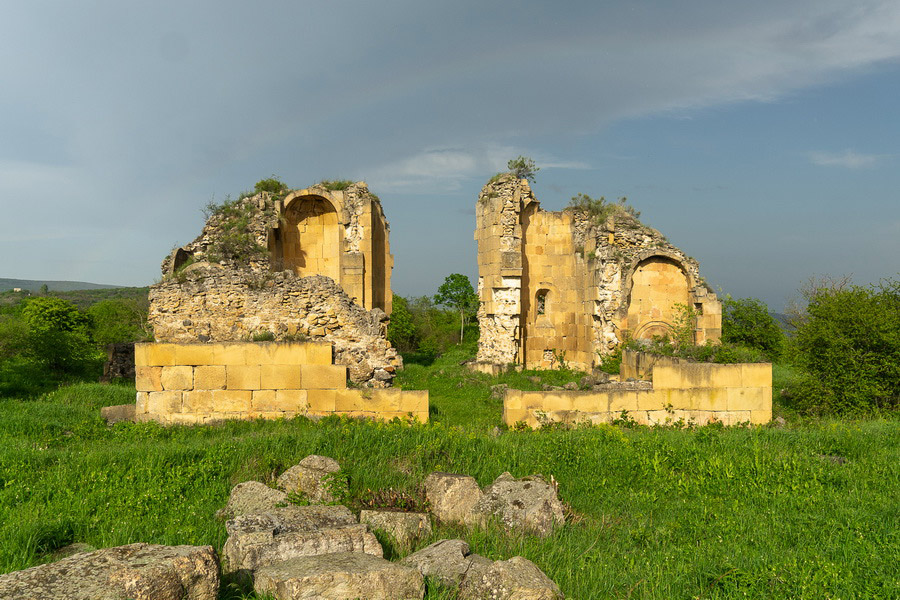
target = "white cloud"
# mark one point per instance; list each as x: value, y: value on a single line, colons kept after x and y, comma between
x: 848, y: 159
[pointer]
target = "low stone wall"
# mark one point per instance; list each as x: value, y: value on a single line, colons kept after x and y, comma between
x: 677, y: 390
x: 199, y: 383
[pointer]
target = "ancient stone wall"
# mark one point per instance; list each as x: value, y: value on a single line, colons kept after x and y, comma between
x: 192, y: 383
x: 674, y: 391
x: 218, y: 304
x: 563, y: 286
x: 312, y: 263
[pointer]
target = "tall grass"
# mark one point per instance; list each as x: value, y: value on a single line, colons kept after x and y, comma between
x: 808, y: 511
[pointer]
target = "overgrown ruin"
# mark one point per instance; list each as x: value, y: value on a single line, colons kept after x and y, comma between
x: 574, y: 285
x: 286, y: 266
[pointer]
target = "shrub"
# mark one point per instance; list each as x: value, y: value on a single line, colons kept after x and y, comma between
x: 333, y: 185
x: 118, y: 320
x: 272, y: 185
x: 523, y: 167
x: 849, y: 345
x: 598, y: 209
x: 747, y: 322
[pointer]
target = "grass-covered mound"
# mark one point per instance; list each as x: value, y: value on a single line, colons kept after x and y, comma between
x: 807, y: 511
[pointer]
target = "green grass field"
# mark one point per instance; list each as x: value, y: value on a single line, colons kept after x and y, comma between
x: 811, y: 510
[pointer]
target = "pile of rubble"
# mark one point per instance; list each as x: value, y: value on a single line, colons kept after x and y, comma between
x: 320, y: 550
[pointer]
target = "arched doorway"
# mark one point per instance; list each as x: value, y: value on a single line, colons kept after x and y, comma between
x: 658, y: 286
x: 312, y: 238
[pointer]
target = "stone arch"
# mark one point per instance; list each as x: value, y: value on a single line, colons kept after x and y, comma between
x: 311, y: 242
x: 656, y: 285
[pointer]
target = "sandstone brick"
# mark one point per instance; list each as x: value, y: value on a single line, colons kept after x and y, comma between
x: 177, y: 378
x: 209, y: 377
x: 274, y: 377
x: 246, y: 377
x: 321, y: 401
x: 163, y: 403
x: 315, y: 377
x: 198, y: 402
x: 194, y: 354
x: 264, y: 400
x: 159, y: 355
x: 292, y: 400
x: 147, y: 379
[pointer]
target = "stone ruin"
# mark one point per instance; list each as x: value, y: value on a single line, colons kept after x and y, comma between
x: 301, y: 265
x: 562, y: 285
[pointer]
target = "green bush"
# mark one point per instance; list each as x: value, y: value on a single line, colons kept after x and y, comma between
x: 118, y: 320
x: 747, y: 322
x: 849, y: 345
x: 333, y: 185
x: 272, y: 185
x: 599, y: 209
x: 523, y: 167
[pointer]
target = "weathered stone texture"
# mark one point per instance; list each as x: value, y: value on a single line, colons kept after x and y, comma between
x: 311, y: 478
x: 223, y: 305
x: 514, y: 579
x: 561, y: 286
x: 405, y: 528
x: 261, y: 539
x: 447, y: 561
x: 340, y: 576
x: 135, y: 572
x: 251, y: 497
x: 528, y: 504
x: 452, y: 497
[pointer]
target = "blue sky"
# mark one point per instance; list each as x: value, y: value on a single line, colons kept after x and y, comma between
x: 762, y: 138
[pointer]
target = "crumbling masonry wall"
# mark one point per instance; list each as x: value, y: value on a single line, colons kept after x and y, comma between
x: 561, y: 286
x: 304, y: 264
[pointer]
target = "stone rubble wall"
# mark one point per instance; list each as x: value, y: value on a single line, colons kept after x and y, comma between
x: 223, y: 305
x: 678, y: 390
x: 586, y: 271
x: 199, y: 383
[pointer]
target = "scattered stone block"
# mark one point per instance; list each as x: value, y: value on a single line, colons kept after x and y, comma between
x: 447, y: 561
x: 452, y: 497
x: 135, y: 571
x: 405, y: 527
x: 118, y: 413
x: 251, y: 497
x: 340, y: 576
x: 311, y: 478
x: 258, y: 540
x: 514, y: 579
x: 529, y: 503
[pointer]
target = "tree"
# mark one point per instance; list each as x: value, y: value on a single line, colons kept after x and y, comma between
x: 58, y: 335
x: 401, y: 331
x: 457, y: 293
x: 747, y: 322
x: 849, y: 344
x: 118, y: 320
x: 523, y: 167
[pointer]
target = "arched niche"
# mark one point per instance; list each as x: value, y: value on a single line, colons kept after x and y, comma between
x: 659, y: 284
x: 311, y: 242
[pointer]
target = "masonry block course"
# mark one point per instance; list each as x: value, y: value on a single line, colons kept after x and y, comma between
x: 245, y: 380
x: 687, y: 391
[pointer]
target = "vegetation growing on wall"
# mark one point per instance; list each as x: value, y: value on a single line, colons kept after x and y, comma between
x: 599, y: 210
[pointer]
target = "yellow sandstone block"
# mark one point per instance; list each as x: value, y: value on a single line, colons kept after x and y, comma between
x: 177, y: 378
x: 591, y: 402
x: 709, y: 399
x: 280, y: 377
x: 414, y: 401
x: 727, y: 376
x: 232, y: 354
x: 163, y: 403
x: 623, y: 400
x: 760, y: 417
x: 140, y: 355
x: 147, y: 379
x: 209, y: 377
x: 748, y: 399
x: 354, y: 400
x: 246, y: 377
x: 198, y: 401
x: 264, y: 400
x: 231, y: 401
x: 292, y: 400
x: 140, y: 402
x: 321, y: 401
x: 756, y: 375
x: 194, y: 354
x: 649, y: 400
x: 318, y: 377
x: 160, y: 355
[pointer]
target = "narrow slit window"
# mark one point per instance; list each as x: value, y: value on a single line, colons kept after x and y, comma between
x: 541, y: 302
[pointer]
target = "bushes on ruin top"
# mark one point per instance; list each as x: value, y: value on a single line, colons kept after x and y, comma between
x: 335, y: 184
x: 523, y: 167
x: 599, y: 210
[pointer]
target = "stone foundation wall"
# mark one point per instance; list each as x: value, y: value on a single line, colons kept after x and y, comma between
x: 219, y: 305
x: 677, y: 390
x: 200, y: 383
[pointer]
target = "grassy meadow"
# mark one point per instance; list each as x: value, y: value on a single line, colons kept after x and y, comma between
x: 808, y: 510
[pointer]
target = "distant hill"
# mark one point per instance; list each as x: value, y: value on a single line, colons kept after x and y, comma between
x: 34, y: 285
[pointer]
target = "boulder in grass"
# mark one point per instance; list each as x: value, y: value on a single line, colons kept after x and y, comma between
x: 340, y: 576
x: 311, y: 478
x: 528, y: 504
x: 262, y: 539
x: 447, y: 561
x: 135, y: 572
x: 452, y: 497
x: 514, y: 579
x: 405, y: 528
x: 251, y: 497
